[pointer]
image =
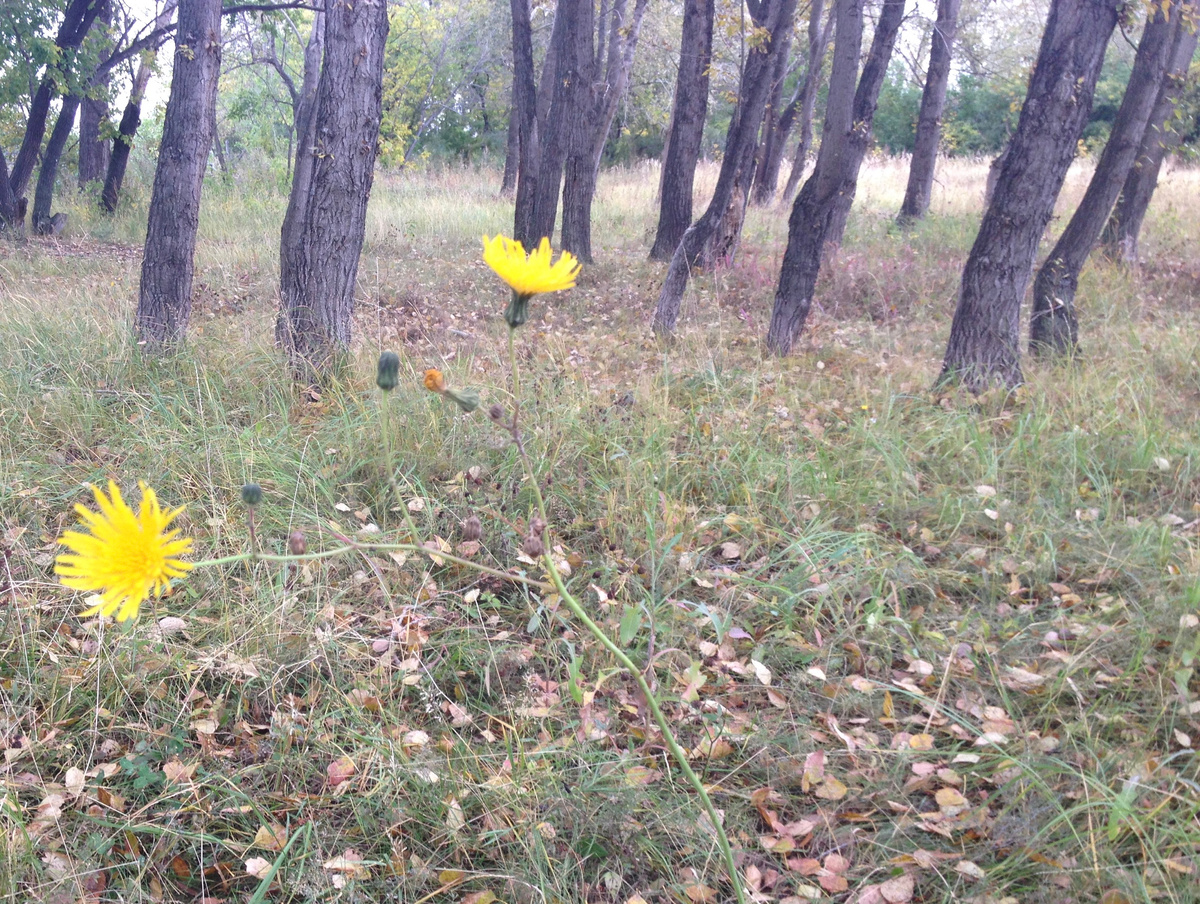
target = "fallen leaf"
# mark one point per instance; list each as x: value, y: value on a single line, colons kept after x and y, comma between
x: 831, y: 789
x: 898, y: 889
x: 970, y: 869
x: 270, y: 837
x: 258, y: 867
x: 948, y: 799
x: 340, y: 770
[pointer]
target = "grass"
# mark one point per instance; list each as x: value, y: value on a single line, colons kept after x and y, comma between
x: 982, y: 613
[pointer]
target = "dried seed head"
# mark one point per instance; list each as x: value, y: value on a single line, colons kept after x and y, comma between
x: 496, y: 412
x: 297, y: 544
x: 472, y: 528
x: 537, y: 525
x: 387, y: 373
x: 533, y: 546
x: 251, y: 493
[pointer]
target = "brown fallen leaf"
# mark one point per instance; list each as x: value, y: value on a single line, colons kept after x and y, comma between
x: 340, y: 769
x: 898, y: 889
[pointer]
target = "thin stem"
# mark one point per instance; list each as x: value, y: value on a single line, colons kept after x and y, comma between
x: 659, y: 717
x: 386, y: 424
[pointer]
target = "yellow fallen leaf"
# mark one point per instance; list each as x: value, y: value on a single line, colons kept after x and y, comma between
x: 270, y: 837
x: 831, y: 789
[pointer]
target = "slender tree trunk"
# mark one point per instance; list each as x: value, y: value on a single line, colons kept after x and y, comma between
x: 554, y: 127
x: 740, y: 141
x: 984, y: 346
x: 929, y: 120
x: 78, y: 18
x: 818, y: 43
x: 829, y: 191
x: 317, y: 306
x: 1120, y: 238
x: 773, y: 134
x: 8, y: 202
x: 93, y: 150
x: 512, y: 152
x: 165, y: 296
x: 687, y: 128
x: 123, y: 144
x: 43, y: 196
x: 525, y: 116
x: 1054, y: 327
x: 594, y: 119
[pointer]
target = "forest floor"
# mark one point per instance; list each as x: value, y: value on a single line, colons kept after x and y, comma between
x: 920, y: 646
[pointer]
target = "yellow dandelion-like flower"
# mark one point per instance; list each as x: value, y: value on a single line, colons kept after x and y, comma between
x: 528, y: 275
x: 126, y: 557
x: 434, y: 381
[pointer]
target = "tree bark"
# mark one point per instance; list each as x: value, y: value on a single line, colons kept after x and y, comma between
x: 512, y: 151
x: 1120, y: 238
x: 94, y: 151
x: 609, y: 69
x: 78, y: 18
x: 317, y: 296
x: 1054, y: 326
x: 43, y: 196
x: 525, y: 116
x: 165, y: 295
x: 123, y: 144
x: 777, y: 121
x: 929, y: 120
x: 984, y: 346
x: 562, y: 81
x: 687, y: 128
x: 8, y: 202
x: 829, y: 191
x: 740, y: 141
x: 818, y: 43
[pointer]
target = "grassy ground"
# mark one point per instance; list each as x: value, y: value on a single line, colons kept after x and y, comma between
x: 921, y: 647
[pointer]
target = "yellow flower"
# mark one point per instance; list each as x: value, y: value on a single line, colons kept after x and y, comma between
x: 126, y: 557
x: 533, y: 274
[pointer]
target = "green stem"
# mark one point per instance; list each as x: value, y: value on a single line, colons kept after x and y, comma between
x: 659, y: 717
x: 386, y: 424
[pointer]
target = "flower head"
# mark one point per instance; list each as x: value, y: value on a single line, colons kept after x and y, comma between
x: 532, y: 274
x: 434, y: 381
x: 125, y: 557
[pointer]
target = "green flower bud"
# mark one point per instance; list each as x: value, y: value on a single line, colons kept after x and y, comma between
x: 387, y: 373
x: 517, y: 311
x: 251, y: 494
x: 466, y: 399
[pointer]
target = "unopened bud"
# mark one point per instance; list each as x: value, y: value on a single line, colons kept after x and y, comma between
x: 466, y: 399
x: 251, y: 493
x: 533, y: 546
x: 496, y: 412
x: 297, y: 544
x: 472, y: 528
x: 387, y: 373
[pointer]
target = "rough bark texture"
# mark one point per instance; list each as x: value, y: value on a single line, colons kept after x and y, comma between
x: 608, y: 66
x: 777, y: 122
x: 740, y: 141
x: 78, y: 18
x: 1054, y: 326
x: 929, y: 120
x: 43, y: 197
x: 165, y: 295
x: 818, y: 43
x: 525, y: 116
x: 686, y: 130
x: 512, y: 149
x: 8, y: 202
x: 561, y: 82
x: 317, y: 295
x: 1120, y: 237
x: 829, y: 191
x: 93, y: 110
x: 984, y: 346
x: 123, y: 144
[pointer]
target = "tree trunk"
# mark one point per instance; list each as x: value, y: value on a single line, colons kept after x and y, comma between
x: 774, y: 127
x: 818, y: 43
x: 929, y: 120
x: 1120, y: 238
x: 828, y: 193
x: 317, y: 307
x: 1054, y: 327
x: 562, y: 76
x: 512, y: 150
x: 984, y: 346
x: 123, y: 144
x: 772, y: 16
x: 687, y: 128
x: 525, y: 117
x: 593, y: 119
x: 165, y: 295
x: 43, y: 196
x: 93, y: 150
x: 8, y: 202
x: 78, y: 18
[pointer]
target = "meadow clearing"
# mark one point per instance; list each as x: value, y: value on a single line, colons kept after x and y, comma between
x: 919, y: 646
